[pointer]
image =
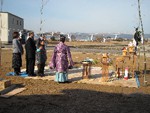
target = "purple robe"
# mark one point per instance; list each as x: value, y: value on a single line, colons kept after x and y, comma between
x: 60, y: 58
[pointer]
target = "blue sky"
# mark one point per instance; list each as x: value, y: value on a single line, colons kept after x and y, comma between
x: 91, y: 16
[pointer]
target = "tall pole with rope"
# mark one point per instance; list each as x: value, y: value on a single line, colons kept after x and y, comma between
x: 41, y: 12
x: 140, y: 19
x: 43, y: 3
x: 142, y: 30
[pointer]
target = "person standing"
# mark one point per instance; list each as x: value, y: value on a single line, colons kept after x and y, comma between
x: 30, y: 54
x: 137, y: 38
x: 17, y: 52
x: 39, y: 41
x: 41, y: 58
x: 60, y: 59
x: 42, y: 37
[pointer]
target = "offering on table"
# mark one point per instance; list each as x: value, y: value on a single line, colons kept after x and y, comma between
x: 124, y: 51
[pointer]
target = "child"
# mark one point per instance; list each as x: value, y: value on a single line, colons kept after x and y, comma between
x: 41, y: 58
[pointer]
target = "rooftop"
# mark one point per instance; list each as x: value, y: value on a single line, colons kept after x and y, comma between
x: 11, y: 14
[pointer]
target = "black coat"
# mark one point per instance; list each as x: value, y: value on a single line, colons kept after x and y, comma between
x: 30, y: 48
x: 137, y: 36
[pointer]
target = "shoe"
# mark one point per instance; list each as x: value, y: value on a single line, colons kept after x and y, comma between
x: 64, y: 82
x: 16, y: 74
x: 30, y: 75
x: 34, y: 74
x: 41, y: 75
x: 67, y: 82
x: 60, y: 82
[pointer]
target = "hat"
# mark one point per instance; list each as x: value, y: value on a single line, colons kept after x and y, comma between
x: 62, y: 36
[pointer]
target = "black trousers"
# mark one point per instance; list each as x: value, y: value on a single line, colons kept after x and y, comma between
x: 41, y: 69
x: 17, y: 71
x: 30, y: 63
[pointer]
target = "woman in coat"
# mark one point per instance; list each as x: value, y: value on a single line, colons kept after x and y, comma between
x: 17, y: 52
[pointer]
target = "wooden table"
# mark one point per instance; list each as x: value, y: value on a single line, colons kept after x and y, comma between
x: 86, y: 72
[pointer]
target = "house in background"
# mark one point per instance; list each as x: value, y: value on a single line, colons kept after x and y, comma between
x: 8, y: 24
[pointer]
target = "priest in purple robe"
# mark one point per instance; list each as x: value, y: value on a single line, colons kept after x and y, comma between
x: 61, y: 61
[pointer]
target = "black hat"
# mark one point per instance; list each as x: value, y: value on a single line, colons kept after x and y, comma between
x: 62, y: 36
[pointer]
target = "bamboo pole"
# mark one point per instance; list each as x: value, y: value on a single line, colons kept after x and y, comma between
x: 43, y: 3
x: 141, y: 25
x: 41, y: 12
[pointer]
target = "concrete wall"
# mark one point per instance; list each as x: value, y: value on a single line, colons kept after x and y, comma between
x: 4, y: 27
x: 10, y: 23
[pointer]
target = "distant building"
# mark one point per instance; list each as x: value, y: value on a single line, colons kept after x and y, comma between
x: 8, y: 24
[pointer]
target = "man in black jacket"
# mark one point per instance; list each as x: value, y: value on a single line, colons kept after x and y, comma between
x: 137, y: 37
x: 30, y: 54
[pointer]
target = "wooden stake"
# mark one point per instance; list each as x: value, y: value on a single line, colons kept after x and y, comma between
x: 139, y: 59
x: 0, y: 53
x: 145, y: 82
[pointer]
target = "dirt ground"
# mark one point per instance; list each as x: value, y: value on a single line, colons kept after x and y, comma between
x: 50, y: 97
